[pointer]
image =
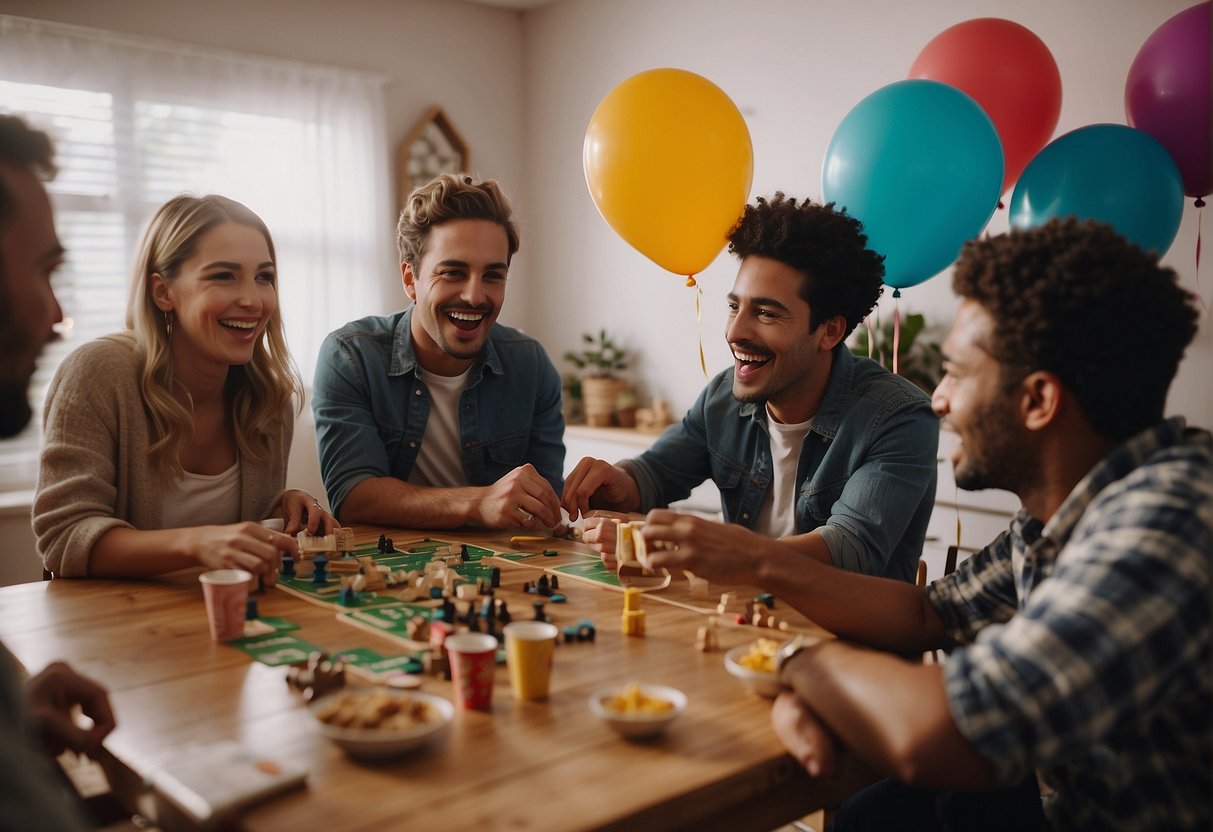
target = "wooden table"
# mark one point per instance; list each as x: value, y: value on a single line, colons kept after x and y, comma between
x: 523, y: 766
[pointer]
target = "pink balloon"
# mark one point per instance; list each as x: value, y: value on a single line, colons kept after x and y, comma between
x: 1167, y: 94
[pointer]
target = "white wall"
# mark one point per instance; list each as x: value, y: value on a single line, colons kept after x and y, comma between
x: 465, y: 57
x: 795, y: 69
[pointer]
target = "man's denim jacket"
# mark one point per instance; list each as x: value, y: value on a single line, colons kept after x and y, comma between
x: 371, y: 408
x: 866, y: 476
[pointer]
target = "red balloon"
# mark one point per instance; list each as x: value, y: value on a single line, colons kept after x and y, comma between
x: 1010, y: 72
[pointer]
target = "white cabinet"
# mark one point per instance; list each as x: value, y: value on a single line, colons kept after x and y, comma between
x: 614, y: 444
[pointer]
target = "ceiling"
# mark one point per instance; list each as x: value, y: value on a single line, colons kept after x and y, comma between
x: 517, y: 5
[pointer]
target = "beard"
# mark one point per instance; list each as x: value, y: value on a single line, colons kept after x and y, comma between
x: 996, y: 453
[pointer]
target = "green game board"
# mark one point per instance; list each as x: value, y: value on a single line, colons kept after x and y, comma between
x: 414, y: 554
x: 590, y: 570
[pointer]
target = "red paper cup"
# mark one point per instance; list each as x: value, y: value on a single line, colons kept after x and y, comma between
x: 473, y: 666
x: 226, y: 594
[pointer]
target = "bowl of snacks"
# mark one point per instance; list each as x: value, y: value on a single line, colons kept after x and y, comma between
x: 378, y: 723
x: 754, y: 665
x: 638, y: 710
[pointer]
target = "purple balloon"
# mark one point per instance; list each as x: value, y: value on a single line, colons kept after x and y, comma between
x: 1167, y: 94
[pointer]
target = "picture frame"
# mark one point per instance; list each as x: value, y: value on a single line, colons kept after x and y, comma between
x: 433, y: 146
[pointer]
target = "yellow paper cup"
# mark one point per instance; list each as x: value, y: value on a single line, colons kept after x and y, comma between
x: 528, y: 654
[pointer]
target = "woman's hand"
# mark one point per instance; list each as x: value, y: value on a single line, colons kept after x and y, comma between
x: 303, y: 512
x: 244, y: 545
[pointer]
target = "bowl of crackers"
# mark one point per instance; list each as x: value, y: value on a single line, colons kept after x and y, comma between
x: 754, y: 665
x: 638, y: 710
x: 380, y: 723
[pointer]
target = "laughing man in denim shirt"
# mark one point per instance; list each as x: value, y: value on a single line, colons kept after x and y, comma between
x: 828, y: 452
x: 438, y: 416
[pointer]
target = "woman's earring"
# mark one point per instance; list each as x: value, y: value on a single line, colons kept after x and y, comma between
x: 168, y: 325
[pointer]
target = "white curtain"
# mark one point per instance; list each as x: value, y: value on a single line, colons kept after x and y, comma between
x: 137, y: 120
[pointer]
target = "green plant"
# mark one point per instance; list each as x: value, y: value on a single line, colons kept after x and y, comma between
x: 600, y: 356
x: 919, y: 358
x: 627, y: 400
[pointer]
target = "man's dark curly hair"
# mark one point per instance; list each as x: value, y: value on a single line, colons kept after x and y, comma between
x: 1078, y: 300
x: 844, y: 276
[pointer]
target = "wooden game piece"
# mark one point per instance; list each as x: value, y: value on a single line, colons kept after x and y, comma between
x: 358, y: 582
x: 706, y: 640
x: 726, y: 598
x: 633, y: 623
x: 465, y: 591
x: 340, y: 541
x: 698, y: 586
x: 320, y: 570
x: 371, y: 573
x: 418, y: 628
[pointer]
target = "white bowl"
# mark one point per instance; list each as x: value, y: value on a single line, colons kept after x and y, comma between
x: 758, y: 681
x: 637, y: 725
x: 383, y: 743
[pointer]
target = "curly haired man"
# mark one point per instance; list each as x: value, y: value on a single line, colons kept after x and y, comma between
x: 818, y: 454
x: 1079, y: 638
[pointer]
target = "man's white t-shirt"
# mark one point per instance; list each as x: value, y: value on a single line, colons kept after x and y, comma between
x: 778, y: 515
x: 440, y: 461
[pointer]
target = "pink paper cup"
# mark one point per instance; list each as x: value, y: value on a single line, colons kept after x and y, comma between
x: 226, y: 594
x: 473, y: 666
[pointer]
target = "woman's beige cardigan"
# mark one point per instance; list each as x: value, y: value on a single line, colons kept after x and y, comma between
x: 95, y: 473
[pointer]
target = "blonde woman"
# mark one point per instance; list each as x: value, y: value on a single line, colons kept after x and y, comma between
x: 164, y: 444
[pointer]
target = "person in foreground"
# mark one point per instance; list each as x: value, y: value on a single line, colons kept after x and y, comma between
x: 1080, y: 637
x: 35, y: 717
x: 438, y: 416
x: 166, y: 443
x: 815, y: 451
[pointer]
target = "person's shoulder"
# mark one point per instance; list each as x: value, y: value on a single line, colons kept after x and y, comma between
x: 109, y: 356
x: 372, y: 326
x: 874, y: 381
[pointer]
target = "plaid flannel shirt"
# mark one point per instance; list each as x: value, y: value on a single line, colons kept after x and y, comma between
x: 1085, y: 642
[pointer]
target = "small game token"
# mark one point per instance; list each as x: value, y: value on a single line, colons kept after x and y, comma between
x: 557, y: 598
x: 405, y: 681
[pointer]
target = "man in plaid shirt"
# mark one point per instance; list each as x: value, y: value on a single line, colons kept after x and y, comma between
x: 1080, y: 638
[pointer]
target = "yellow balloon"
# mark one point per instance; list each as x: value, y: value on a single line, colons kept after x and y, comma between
x: 669, y: 163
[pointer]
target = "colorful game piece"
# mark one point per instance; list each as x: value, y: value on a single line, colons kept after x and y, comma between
x: 550, y: 553
x: 320, y: 569
x: 570, y: 634
x: 555, y: 582
x: 557, y: 598
x: 463, y: 553
x: 250, y: 610
x: 766, y: 599
x: 288, y: 566
x: 586, y: 630
x: 539, y: 614
x: 503, y: 614
x: 543, y: 587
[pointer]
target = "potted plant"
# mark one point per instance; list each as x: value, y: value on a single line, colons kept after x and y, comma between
x: 601, y: 358
x: 919, y: 359
x: 625, y: 408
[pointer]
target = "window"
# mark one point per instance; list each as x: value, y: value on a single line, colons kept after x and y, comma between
x: 137, y: 121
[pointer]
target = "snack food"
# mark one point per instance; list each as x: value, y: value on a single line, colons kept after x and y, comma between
x: 761, y: 656
x: 632, y: 700
x: 375, y: 710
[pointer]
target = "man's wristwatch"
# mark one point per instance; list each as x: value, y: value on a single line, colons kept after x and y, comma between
x: 790, y: 648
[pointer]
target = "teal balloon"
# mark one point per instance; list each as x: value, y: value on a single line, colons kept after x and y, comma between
x: 1107, y: 172
x: 919, y: 163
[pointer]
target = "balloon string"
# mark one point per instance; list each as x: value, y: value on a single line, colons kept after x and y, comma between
x: 880, y: 333
x: 691, y: 284
x: 1200, y: 217
x: 896, y: 330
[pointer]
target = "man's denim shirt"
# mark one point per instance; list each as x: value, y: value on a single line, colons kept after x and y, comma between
x: 371, y: 408
x: 866, y: 476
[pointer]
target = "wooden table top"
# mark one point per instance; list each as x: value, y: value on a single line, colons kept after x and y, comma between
x: 547, y: 765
